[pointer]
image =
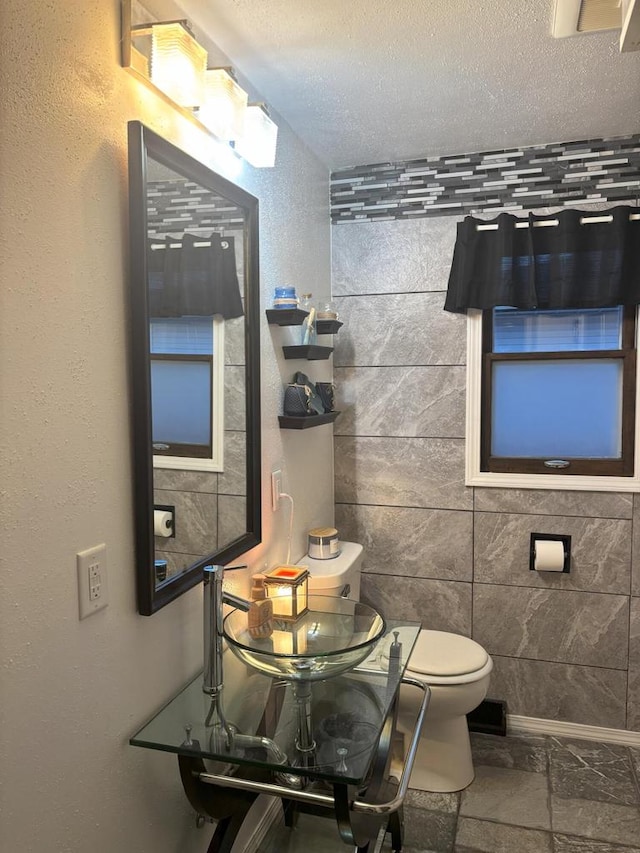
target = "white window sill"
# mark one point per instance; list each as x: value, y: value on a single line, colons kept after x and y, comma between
x: 553, y: 481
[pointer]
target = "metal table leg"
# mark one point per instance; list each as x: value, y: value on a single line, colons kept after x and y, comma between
x: 229, y: 807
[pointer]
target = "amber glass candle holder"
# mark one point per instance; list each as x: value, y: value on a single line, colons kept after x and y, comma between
x: 288, y: 588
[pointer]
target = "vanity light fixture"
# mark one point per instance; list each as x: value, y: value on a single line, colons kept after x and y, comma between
x: 224, y: 104
x: 165, y: 56
x: 178, y: 63
x: 288, y: 588
x: 258, y: 144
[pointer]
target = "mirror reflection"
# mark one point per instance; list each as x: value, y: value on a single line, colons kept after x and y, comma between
x: 198, y: 271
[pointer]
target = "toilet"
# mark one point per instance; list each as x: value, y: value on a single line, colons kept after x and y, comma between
x: 456, y: 669
x: 338, y: 576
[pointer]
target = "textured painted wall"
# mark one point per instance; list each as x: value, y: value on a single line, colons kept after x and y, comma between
x: 565, y: 647
x: 73, y: 692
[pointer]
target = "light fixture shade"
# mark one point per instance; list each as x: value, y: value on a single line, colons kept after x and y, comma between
x: 224, y: 105
x: 178, y: 64
x: 258, y: 143
x: 288, y: 588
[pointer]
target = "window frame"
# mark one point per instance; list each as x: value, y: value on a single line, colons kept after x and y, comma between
x: 533, y: 474
x: 214, y: 461
x: 176, y: 448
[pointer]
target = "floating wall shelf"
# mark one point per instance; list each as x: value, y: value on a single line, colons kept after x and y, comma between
x: 327, y: 327
x: 285, y: 316
x: 312, y: 352
x: 295, y: 317
x: 306, y: 421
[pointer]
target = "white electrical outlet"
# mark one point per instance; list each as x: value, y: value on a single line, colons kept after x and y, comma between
x: 276, y: 488
x: 92, y: 580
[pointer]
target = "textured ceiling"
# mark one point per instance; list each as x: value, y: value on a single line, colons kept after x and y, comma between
x: 365, y: 81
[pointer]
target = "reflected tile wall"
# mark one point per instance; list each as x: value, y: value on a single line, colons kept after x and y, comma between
x: 235, y: 405
x: 185, y: 481
x: 174, y: 485
x: 453, y: 557
x: 233, y: 480
x: 232, y: 517
x: 195, y: 522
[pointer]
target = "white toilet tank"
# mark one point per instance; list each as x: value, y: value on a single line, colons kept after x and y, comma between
x: 339, y: 576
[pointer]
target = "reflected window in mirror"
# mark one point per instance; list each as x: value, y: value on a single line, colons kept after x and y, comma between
x: 187, y: 399
x: 195, y: 237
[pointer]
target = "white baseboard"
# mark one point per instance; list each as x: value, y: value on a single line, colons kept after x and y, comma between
x: 535, y: 726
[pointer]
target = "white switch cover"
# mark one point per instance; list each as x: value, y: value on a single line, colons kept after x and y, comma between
x: 276, y: 489
x: 92, y: 580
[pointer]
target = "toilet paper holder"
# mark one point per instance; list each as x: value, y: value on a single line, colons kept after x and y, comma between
x: 551, y: 537
x: 168, y: 508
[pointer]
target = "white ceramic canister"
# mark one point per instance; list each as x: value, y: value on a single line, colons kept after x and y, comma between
x: 323, y: 543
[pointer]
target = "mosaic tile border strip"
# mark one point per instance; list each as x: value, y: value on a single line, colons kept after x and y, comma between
x: 174, y: 205
x: 565, y: 173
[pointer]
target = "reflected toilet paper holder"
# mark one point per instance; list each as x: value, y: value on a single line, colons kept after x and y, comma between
x: 166, y: 508
x: 540, y: 538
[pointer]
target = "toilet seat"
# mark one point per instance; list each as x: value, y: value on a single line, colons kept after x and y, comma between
x: 440, y: 657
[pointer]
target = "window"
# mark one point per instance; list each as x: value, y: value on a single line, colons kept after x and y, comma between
x: 558, y: 391
x: 552, y: 398
x: 187, y: 392
x: 551, y: 380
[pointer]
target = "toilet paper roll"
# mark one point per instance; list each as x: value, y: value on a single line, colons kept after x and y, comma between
x: 162, y: 523
x: 549, y: 556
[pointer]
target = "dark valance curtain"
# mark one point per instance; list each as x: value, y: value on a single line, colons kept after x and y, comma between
x: 569, y: 265
x: 193, y: 280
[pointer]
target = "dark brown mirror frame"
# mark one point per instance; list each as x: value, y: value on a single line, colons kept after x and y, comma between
x: 144, y: 143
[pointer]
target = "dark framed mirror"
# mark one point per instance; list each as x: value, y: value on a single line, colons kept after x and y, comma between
x: 194, y: 296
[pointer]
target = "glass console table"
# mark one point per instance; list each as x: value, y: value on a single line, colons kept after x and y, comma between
x: 321, y: 746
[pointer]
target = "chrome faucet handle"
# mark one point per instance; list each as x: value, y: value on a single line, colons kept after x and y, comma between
x: 236, y: 601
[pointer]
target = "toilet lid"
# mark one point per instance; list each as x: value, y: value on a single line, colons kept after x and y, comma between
x: 440, y: 653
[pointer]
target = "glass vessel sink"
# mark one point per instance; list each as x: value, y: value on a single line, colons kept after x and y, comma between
x: 333, y: 636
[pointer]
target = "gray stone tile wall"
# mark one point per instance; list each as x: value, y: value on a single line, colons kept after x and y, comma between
x: 565, y: 647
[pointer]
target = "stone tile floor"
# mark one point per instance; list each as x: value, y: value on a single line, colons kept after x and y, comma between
x: 531, y: 794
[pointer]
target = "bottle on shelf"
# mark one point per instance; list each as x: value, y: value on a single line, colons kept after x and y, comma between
x: 308, y: 332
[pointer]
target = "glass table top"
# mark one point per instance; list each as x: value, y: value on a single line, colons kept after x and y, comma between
x: 345, y: 715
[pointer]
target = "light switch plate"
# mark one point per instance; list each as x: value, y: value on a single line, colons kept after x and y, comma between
x: 276, y: 489
x: 92, y: 580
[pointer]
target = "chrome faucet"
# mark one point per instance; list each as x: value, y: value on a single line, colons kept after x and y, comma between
x: 214, y: 598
